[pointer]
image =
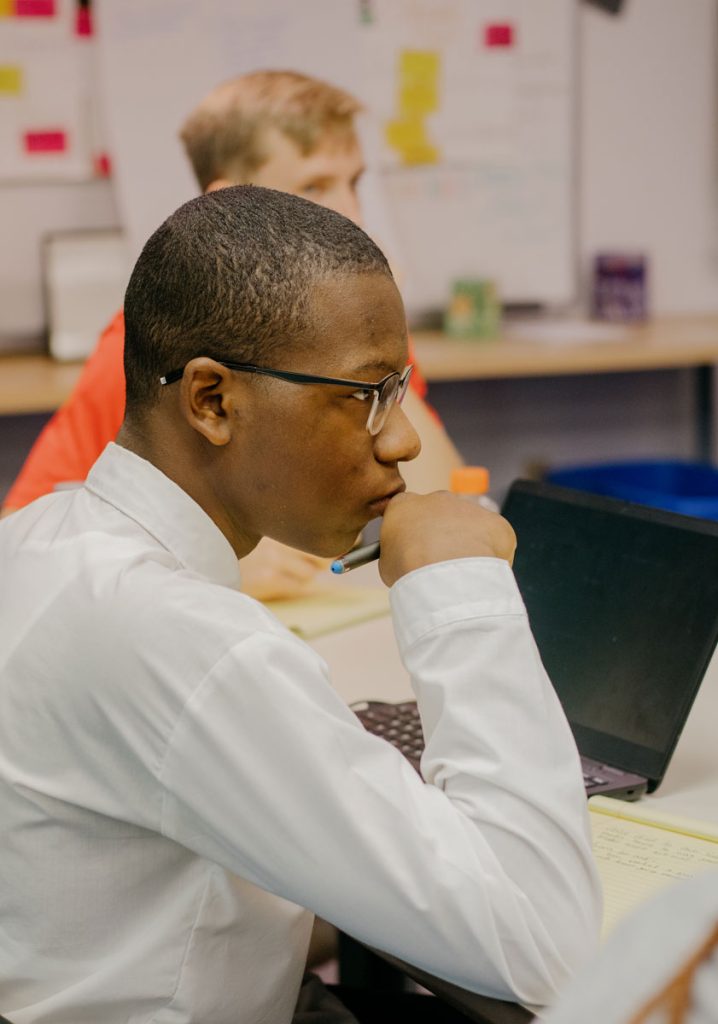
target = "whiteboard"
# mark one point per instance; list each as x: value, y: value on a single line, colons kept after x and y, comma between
x: 48, y: 130
x: 469, y: 133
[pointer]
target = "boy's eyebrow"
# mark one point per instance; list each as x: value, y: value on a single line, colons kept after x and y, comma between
x: 379, y: 366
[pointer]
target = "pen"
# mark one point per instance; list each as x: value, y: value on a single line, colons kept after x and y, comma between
x: 355, y: 558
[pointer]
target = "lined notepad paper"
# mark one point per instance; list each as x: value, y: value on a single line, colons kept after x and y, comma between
x: 331, y: 609
x: 639, y: 851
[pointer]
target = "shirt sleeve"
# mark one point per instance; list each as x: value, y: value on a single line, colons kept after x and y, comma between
x: 72, y: 440
x: 483, y: 874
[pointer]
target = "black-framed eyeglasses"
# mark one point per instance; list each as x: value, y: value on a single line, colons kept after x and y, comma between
x: 384, y: 394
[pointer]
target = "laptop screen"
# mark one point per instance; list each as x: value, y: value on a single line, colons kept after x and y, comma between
x: 623, y: 603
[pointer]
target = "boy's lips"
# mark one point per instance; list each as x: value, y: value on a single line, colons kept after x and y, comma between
x: 378, y: 506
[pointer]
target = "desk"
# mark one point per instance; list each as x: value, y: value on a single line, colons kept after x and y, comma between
x: 36, y: 383
x: 665, y: 343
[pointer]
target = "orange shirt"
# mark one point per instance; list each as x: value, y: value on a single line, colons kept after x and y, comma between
x: 90, y: 418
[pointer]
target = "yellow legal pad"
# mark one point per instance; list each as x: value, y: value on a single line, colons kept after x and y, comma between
x: 639, y: 851
x: 327, y: 610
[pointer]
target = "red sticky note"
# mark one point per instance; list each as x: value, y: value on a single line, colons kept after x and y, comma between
x: 499, y: 34
x: 102, y: 165
x: 83, y: 22
x: 48, y: 141
x: 35, y: 8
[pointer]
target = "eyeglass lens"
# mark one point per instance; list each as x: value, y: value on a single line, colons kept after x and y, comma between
x: 384, y: 402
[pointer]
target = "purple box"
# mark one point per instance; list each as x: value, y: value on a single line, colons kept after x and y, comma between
x: 620, y: 287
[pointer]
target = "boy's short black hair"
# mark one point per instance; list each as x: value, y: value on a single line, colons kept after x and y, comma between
x: 230, y: 275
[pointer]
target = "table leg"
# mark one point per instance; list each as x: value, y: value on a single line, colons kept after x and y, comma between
x: 704, y: 412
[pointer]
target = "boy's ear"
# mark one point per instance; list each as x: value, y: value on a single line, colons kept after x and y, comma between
x: 208, y: 399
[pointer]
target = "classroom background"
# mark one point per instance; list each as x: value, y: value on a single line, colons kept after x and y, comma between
x: 628, y: 129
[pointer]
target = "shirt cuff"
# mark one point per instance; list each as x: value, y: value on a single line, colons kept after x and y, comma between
x: 445, y: 593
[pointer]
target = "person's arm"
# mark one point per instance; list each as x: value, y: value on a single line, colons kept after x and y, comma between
x: 78, y: 432
x: 483, y: 875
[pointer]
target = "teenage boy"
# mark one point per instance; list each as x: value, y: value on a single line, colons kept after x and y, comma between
x: 181, y: 788
x: 282, y: 130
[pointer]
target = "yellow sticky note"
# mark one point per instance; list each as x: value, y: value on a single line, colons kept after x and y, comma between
x: 418, y: 82
x: 10, y: 79
x: 408, y: 136
x: 417, y: 96
x: 7, y: 7
x: 405, y: 132
x: 419, y: 62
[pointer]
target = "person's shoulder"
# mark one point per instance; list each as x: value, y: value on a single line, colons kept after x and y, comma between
x: 103, y: 374
x: 114, y: 333
x: 160, y: 593
x: 111, y: 343
x: 165, y: 628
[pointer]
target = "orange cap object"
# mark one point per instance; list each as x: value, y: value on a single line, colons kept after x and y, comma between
x: 470, y: 480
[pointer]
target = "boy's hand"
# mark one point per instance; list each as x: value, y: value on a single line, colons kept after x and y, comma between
x: 419, y: 529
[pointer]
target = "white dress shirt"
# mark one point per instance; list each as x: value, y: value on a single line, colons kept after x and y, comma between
x: 178, y: 779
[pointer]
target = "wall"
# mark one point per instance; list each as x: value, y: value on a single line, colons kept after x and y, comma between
x: 649, y: 179
x: 27, y: 213
x: 649, y: 143
x: 648, y: 176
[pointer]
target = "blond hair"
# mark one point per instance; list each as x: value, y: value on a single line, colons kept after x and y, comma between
x: 225, y: 136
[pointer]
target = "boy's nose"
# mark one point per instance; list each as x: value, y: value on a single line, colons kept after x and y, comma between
x: 397, y: 441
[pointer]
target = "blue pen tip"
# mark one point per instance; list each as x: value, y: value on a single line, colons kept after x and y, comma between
x: 337, y: 567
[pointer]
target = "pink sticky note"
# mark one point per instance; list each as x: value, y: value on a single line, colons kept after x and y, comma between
x: 499, y: 34
x: 102, y: 165
x: 48, y: 141
x: 83, y: 22
x: 35, y: 8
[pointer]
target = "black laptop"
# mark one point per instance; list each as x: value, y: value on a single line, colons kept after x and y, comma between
x: 623, y: 603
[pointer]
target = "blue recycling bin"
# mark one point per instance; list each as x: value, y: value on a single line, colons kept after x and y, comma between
x: 679, y: 486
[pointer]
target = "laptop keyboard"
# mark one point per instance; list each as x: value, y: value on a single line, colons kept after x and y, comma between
x: 400, y: 725
x: 604, y: 778
x: 593, y: 773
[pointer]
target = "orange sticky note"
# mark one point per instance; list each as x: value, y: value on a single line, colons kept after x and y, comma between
x: 7, y: 7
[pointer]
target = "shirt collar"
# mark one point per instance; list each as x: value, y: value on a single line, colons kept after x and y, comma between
x: 141, y: 491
